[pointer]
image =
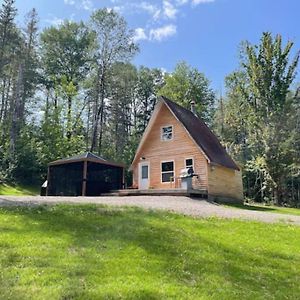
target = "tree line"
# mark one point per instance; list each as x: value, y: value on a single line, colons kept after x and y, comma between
x: 72, y: 88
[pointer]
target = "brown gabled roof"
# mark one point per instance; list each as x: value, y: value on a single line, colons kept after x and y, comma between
x: 202, y: 135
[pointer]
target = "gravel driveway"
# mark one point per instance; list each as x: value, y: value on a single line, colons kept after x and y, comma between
x: 184, y: 205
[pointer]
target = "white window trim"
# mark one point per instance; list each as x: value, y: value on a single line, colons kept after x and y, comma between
x: 161, y: 133
x: 161, y: 171
x: 193, y: 165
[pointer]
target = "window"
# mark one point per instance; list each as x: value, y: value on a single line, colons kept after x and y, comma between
x: 167, y: 133
x: 144, y: 172
x: 189, y: 163
x: 167, y: 171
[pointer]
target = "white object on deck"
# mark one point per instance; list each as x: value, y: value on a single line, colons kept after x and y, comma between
x: 45, y: 184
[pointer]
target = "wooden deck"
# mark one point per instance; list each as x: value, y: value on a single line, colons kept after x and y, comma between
x: 159, y: 192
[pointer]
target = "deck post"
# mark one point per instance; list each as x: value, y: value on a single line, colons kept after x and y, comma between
x: 48, y: 177
x: 123, y: 179
x: 84, y: 178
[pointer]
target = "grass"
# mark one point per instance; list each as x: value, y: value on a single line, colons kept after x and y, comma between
x: 17, y: 190
x: 97, y: 252
x: 261, y: 207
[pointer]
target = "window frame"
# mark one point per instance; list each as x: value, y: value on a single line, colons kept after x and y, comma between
x: 164, y: 172
x: 193, y: 165
x: 145, y: 165
x: 140, y: 164
x: 161, y: 133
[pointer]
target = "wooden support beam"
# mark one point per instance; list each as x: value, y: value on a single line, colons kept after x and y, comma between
x: 48, y: 180
x: 84, y: 178
x: 123, y: 179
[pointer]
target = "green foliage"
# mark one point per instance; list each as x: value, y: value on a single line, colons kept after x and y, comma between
x: 259, y: 122
x: 114, y: 39
x: 187, y: 84
x: 114, y: 45
x: 8, y: 32
x: 149, y: 82
x: 98, y: 252
x: 53, y: 143
x: 66, y: 52
x: 67, y: 55
x: 27, y: 169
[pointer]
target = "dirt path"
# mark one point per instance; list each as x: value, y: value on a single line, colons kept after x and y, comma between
x: 185, y: 205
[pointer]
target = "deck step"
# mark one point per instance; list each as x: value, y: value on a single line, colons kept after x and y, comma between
x: 156, y: 192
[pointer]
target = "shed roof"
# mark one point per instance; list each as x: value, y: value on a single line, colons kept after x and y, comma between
x: 87, y: 156
x: 202, y: 135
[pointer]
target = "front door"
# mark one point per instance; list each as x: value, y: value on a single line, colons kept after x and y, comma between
x: 144, y: 176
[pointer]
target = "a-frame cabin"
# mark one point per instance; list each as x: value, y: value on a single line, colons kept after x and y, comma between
x: 176, y: 139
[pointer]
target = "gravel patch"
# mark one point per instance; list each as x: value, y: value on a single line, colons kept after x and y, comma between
x: 178, y: 204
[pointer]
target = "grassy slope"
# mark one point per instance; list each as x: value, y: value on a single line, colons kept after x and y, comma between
x: 93, y: 252
x: 273, y: 209
x: 17, y: 190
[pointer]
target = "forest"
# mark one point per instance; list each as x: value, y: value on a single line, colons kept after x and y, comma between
x: 73, y: 88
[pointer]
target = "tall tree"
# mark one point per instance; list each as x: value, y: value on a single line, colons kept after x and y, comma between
x: 26, y: 81
x: 148, y: 84
x: 7, y: 29
x: 115, y: 43
x: 264, y: 110
x: 66, y: 53
x: 121, y: 92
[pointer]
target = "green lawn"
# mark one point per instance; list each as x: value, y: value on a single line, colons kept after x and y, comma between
x: 273, y: 209
x: 17, y: 190
x: 96, y: 252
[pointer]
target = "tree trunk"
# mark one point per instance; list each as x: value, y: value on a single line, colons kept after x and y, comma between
x: 2, y: 100
x: 100, y: 93
x: 47, y: 104
x: 15, y: 121
x: 69, y: 118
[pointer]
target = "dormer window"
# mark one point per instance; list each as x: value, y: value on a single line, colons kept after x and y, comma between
x: 167, y: 133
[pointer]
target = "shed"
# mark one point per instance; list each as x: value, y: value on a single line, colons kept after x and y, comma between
x: 84, y: 175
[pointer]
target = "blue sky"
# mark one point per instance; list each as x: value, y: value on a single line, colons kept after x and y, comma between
x: 204, y: 33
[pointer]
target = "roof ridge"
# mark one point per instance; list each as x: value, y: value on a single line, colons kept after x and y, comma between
x: 207, y: 140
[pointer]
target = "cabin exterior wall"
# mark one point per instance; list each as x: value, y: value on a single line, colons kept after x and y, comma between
x: 181, y: 147
x: 225, y: 184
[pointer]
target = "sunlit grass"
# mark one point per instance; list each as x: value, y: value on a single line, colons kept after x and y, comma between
x: 17, y: 190
x: 266, y: 208
x: 97, y: 252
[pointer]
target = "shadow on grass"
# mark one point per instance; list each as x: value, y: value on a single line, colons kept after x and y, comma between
x: 251, y: 207
x: 109, y: 247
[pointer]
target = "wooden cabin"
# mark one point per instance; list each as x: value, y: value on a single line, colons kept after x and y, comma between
x: 176, y: 140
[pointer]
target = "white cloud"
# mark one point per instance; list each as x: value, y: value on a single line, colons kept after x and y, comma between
x: 87, y: 5
x: 162, y: 33
x: 196, y: 2
x: 157, y: 14
x: 54, y: 21
x: 69, y: 2
x: 139, y: 34
x: 181, y: 2
x: 118, y: 8
x: 169, y: 10
x: 149, y: 8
